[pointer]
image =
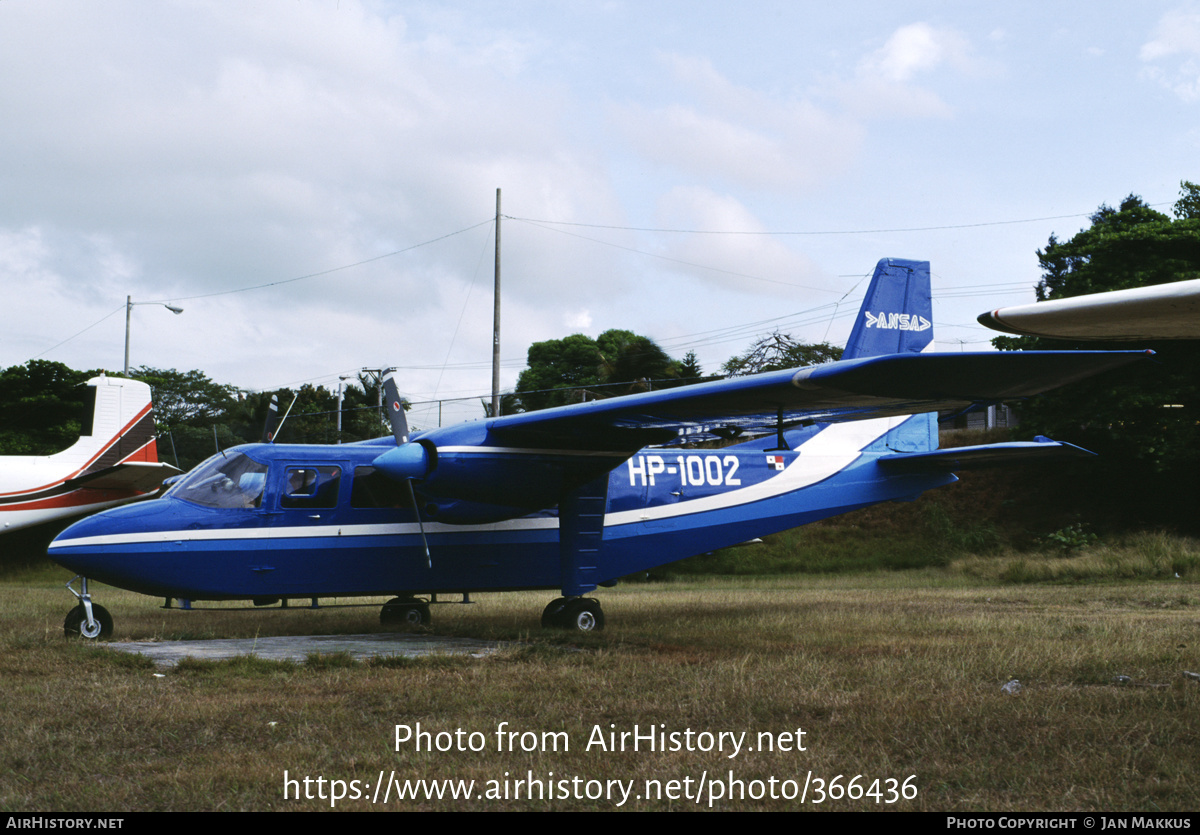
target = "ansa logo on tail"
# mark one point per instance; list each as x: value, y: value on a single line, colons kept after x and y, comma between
x: 897, y: 321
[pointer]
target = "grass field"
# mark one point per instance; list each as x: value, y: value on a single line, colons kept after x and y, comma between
x: 891, y: 675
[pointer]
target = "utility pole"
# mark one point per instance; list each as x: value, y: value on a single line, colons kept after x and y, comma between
x: 378, y: 374
x: 341, y: 391
x: 496, y: 321
x: 129, y: 304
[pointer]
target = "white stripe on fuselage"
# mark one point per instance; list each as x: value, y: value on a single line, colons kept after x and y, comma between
x: 303, y: 532
x: 824, y: 455
x: 515, y: 450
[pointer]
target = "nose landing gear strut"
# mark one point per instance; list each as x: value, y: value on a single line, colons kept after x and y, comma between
x: 87, y: 620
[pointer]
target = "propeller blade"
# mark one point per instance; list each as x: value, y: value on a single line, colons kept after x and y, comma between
x: 416, y: 509
x: 269, y: 426
x: 395, y: 409
x: 408, y: 461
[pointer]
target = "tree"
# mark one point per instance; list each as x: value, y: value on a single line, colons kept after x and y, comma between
x: 1133, y: 246
x: 777, y: 352
x: 689, y: 368
x: 557, y: 369
x: 361, y: 415
x: 577, y: 367
x: 626, y: 357
x: 1187, y: 207
x: 1144, y: 420
x: 313, y: 415
x: 41, y: 406
x: 186, y: 397
x: 510, y: 404
x: 192, y: 414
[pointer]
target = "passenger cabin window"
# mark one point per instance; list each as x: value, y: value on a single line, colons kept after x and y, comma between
x: 309, y: 487
x: 373, y: 488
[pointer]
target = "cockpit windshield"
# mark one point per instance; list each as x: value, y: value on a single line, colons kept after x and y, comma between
x: 230, y: 480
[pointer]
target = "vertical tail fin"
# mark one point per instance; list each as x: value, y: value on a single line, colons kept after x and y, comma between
x: 897, y: 318
x: 118, y: 427
x: 897, y: 313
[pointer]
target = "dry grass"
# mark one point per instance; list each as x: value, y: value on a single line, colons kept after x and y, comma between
x: 889, y: 674
x: 1150, y: 555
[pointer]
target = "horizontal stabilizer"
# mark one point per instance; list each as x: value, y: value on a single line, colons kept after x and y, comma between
x: 983, y: 456
x: 142, y: 476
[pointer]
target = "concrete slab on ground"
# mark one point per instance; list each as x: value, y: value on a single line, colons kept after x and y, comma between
x: 299, y: 647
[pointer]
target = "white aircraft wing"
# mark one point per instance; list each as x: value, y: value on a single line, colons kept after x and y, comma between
x: 1163, y: 311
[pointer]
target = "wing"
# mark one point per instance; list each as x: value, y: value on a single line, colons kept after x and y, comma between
x: 896, y: 384
x: 1164, y: 311
x: 140, y: 476
x: 519, y: 463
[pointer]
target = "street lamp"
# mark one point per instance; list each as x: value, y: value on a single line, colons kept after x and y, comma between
x: 129, y: 303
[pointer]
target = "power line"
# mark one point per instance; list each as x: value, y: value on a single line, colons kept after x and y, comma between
x: 810, y: 232
x: 540, y: 225
x: 323, y: 272
x: 85, y: 330
x: 274, y: 283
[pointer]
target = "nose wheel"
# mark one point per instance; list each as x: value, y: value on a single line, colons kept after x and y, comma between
x: 87, y: 620
x: 98, y: 628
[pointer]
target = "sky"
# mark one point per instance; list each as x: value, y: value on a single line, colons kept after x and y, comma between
x: 314, y: 181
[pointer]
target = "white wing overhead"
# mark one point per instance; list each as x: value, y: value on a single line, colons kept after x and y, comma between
x: 1164, y: 311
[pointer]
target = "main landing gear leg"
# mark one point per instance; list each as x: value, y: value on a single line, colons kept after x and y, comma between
x: 580, y: 542
x: 87, y: 620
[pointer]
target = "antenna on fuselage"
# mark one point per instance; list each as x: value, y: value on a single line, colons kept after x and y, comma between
x: 285, y: 416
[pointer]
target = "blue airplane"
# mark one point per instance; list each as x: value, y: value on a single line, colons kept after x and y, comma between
x: 575, y: 497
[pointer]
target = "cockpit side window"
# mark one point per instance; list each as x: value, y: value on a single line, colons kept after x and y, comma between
x: 308, y: 487
x: 231, y: 481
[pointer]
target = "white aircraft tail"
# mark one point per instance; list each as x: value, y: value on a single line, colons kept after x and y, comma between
x: 115, y: 460
x: 119, y: 428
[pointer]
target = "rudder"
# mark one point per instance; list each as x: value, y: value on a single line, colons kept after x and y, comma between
x: 897, y: 314
x: 119, y: 426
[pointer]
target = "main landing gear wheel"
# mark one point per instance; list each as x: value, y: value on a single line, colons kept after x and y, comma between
x: 552, y: 614
x: 581, y: 614
x: 76, y: 624
x: 404, y: 611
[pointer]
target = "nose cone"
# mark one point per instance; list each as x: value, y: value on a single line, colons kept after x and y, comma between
x: 99, y: 546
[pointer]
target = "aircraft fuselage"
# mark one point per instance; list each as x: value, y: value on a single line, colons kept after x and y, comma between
x: 317, y: 521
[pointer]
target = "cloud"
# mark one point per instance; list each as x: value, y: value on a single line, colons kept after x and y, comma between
x: 916, y: 49
x: 887, y: 81
x: 578, y: 321
x: 746, y: 261
x: 1176, y: 37
x: 738, y: 134
x: 190, y: 148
